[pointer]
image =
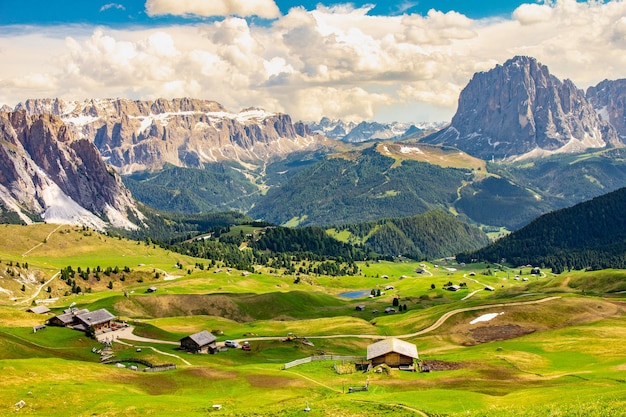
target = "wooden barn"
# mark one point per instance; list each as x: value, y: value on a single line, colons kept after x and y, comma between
x: 395, y: 353
x: 94, y: 322
x: 202, y: 342
x: 67, y: 319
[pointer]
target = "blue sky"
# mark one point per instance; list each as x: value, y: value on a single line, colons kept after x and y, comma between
x: 362, y: 60
x: 105, y: 12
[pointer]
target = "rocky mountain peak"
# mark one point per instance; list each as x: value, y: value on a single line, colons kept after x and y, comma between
x: 46, y: 172
x: 135, y: 135
x: 519, y: 109
x: 609, y: 100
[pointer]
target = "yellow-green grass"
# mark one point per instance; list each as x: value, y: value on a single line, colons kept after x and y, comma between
x: 571, y: 364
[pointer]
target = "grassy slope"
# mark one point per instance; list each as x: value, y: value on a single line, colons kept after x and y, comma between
x: 572, y: 363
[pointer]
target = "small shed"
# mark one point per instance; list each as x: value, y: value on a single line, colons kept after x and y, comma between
x: 453, y: 287
x: 151, y: 289
x: 390, y: 310
x: 392, y: 352
x: 202, y: 342
x: 360, y: 307
x: 489, y: 288
x: 39, y: 310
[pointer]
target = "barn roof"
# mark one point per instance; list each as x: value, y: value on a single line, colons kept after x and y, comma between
x: 95, y: 317
x: 202, y: 338
x: 391, y: 345
x: 68, y: 318
x: 39, y: 310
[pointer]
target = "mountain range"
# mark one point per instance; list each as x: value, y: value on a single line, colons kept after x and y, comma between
x: 193, y: 156
x: 353, y: 132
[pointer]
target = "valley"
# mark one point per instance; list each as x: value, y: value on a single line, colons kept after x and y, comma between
x: 554, y: 340
x: 495, y: 250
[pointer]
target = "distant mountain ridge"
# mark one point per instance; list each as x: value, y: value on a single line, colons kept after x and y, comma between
x: 352, y: 132
x: 47, y: 173
x: 134, y: 135
x: 520, y: 110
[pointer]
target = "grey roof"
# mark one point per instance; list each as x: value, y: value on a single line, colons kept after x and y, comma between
x: 391, y: 345
x: 68, y: 318
x: 95, y: 317
x: 202, y: 338
x: 39, y: 310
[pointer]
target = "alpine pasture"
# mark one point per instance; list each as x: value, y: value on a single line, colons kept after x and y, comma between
x: 551, y: 345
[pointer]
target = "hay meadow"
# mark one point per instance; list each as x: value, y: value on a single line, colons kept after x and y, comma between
x: 554, y: 345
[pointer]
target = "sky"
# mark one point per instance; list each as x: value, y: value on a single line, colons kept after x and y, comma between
x: 380, y: 60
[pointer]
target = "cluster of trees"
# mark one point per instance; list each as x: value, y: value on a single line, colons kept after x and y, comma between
x: 590, y: 235
x: 307, y: 250
x: 425, y: 236
x: 68, y: 274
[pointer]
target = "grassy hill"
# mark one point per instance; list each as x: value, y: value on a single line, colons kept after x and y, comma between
x: 588, y: 235
x: 434, y: 234
x: 553, y: 344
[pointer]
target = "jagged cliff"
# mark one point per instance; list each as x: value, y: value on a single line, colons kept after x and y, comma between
x: 48, y: 173
x: 609, y: 99
x: 519, y: 110
x: 139, y: 135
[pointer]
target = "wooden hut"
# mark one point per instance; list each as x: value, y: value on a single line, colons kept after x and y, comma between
x: 392, y: 352
x: 202, y: 342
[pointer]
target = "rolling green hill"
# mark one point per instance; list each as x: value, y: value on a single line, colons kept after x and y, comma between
x: 434, y: 234
x: 589, y: 235
x: 358, y: 187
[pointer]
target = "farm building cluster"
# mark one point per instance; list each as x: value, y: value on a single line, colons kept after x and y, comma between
x: 91, y: 322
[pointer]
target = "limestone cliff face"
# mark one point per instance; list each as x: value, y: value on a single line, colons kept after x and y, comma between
x: 45, y: 171
x: 518, y: 110
x: 609, y: 100
x: 138, y: 135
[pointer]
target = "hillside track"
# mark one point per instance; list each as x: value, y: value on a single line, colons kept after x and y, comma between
x: 127, y: 333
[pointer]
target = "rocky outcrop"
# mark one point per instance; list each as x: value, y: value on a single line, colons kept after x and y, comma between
x: 519, y: 110
x: 46, y: 172
x: 139, y: 135
x: 609, y: 100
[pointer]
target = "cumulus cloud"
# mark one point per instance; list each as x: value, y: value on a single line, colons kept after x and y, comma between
x: 528, y: 14
x: 262, y: 8
x: 338, y: 62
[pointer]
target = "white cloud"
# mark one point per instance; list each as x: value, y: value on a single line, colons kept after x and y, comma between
x: 528, y: 14
x: 261, y: 8
x: 109, y: 6
x: 339, y: 62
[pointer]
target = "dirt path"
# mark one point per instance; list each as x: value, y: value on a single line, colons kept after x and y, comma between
x: 186, y: 362
x: 32, y: 297
x: 127, y: 332
x: 440, y: 321
x: 41, y: 243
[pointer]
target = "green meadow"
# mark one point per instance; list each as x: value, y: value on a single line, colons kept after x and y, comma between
x: 553, y: 346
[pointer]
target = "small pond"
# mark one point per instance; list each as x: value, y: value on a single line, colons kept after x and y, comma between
x: 355, y: 294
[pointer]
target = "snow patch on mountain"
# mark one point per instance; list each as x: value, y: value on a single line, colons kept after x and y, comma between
x: 63, y: 210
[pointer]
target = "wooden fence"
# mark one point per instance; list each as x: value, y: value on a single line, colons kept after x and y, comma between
x: 323, y: 358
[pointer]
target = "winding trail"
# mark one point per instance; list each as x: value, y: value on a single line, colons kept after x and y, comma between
x: 127, y: 332
x: 41, y: 243
x: 440, y: 321
x: 32, y: 297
